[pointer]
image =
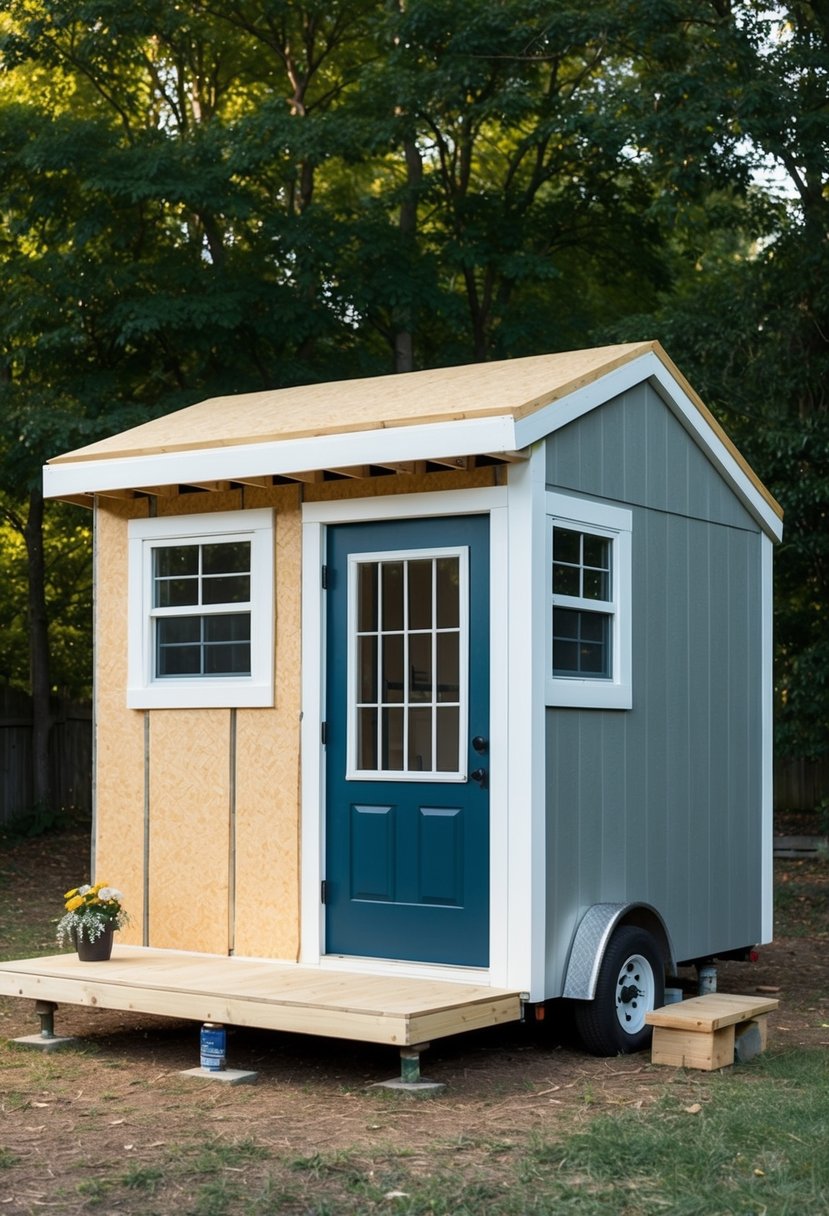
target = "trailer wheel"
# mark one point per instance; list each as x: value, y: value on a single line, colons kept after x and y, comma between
x: 631, y: 982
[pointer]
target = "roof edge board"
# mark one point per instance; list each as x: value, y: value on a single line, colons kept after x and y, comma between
x: 493, y: 435
x: 686, y: 406
x: 561, y: 411
x: 700, y: 423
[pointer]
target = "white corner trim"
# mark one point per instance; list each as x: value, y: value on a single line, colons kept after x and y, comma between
x: 500, y: 916
x: 526, y: 798
x: 767, y: 738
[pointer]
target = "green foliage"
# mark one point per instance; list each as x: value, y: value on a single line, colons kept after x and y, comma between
x: 747, y: 316
x: 201, y: 199
x: 67, y: 537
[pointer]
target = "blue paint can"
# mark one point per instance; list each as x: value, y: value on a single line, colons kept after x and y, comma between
x: 213, y: 1044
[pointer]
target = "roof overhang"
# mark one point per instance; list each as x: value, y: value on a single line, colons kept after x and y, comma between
x: 447, y: 444
x: 451, y: 435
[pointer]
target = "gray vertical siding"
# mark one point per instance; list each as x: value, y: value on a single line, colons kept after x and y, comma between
x: 662, y: 803
x: 633, y: 450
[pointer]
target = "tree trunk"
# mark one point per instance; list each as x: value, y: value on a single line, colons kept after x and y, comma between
x: 38, y: 656
x: 407, y: 226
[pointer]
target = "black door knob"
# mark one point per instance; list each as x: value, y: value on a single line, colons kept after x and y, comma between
x: 479, y: 775
x: 480, y: 744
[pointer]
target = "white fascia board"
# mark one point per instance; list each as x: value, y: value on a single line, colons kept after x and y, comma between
x: 565, y: 410
x: 392, y: 444
x: 710, y: 442
x: 650, y: 367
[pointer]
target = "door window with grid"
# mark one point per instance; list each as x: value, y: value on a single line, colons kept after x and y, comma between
x: 408, y: 629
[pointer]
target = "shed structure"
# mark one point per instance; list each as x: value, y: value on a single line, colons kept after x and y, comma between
x: 461, y: 676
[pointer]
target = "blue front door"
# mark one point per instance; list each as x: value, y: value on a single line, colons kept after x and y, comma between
x: 407, y: 759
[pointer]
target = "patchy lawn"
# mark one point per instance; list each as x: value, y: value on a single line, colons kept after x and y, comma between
x: 528, y: 1123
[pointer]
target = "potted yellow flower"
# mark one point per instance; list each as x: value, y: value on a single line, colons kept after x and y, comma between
x: 92, y: 915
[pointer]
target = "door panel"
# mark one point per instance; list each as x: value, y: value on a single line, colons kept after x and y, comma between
x: 407, y: 830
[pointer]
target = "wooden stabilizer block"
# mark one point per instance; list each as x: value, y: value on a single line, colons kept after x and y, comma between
x: 704, y: 1031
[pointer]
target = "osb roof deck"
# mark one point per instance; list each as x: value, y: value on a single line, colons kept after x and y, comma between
x: 262, y: 993
x: 417, y: 422
x: 514, y: 387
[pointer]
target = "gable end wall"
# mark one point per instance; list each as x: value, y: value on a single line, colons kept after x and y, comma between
x: 662, y: 803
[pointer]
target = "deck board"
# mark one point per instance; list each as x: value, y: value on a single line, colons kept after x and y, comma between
x: 270, y: 995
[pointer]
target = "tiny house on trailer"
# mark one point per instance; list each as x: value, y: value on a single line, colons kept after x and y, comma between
x: 460, y: 679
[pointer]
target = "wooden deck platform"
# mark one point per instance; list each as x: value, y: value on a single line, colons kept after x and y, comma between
x: 263, y: 993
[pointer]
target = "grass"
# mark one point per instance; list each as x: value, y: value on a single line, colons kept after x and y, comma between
x: 34, y: 873
x: 751, y: 1145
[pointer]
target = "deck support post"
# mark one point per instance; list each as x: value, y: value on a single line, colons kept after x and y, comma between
x: 47, y: 1040
x: 410, y: 1064
x: 706, y: 977
x: 45, y: 1010
x: 410, y: 1080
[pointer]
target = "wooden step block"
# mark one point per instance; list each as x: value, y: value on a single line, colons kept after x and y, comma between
x: 701, y: 1033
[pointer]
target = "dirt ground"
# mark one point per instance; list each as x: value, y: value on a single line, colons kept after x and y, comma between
x: 117, y: 1094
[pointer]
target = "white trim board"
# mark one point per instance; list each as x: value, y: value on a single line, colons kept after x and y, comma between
x: 286, y: 456
x: 767, y: 739
x: 146, y: 690
x: 524, y: 706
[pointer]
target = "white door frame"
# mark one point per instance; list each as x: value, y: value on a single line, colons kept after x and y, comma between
x: 315, y: 518
x: 517, y: 736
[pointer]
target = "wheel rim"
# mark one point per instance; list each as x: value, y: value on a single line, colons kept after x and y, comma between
x: 635, y: 993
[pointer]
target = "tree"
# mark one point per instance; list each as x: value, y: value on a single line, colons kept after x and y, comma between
x: 740, y: 123
x: 204, y: 198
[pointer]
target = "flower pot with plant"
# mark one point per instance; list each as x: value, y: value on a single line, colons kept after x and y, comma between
x: 92, y: 915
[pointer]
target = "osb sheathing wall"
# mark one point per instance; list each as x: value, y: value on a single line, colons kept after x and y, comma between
x: 119, y: 732
x: 197, y: 810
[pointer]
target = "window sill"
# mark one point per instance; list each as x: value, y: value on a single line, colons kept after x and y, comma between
x: 201, y: 694
x: 588, y: 694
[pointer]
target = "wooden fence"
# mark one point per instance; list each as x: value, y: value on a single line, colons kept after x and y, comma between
x: 70, y: 755
x: 801, y: 785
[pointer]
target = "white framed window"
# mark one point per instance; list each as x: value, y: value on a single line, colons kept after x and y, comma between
x: 589, y: 604
x: 201, y: 617
x: 408, y: 629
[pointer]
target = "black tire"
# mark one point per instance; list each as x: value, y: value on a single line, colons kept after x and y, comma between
x: 631, y: 982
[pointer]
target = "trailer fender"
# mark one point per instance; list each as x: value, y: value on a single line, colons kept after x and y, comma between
x: 591, y: 939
